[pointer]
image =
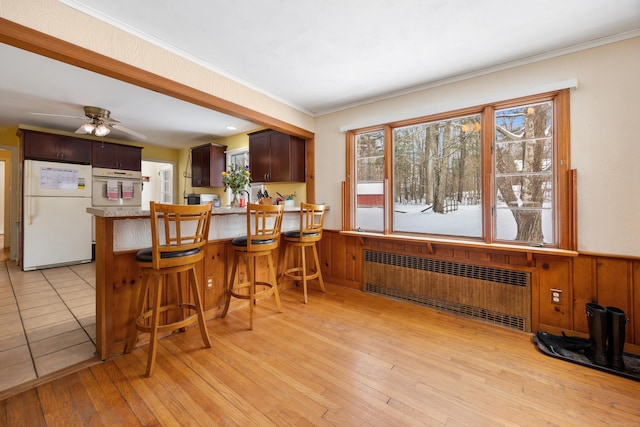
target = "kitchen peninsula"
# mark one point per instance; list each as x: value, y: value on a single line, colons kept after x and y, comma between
x: 121, y: 232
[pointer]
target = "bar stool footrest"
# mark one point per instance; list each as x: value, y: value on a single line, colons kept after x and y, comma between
x: 257, y: 295
x: 290, y: 273
x: 172, y: 326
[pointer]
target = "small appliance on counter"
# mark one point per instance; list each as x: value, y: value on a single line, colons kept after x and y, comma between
x: 193, y: 199
x: 206, y: 198
x: 201, y: 199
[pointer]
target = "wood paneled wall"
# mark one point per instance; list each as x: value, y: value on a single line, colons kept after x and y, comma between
x: 607, y: 280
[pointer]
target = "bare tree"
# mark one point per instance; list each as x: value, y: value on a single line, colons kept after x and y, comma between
x: 431, y: 161
x: 370, y: 155
x: 522, y: 158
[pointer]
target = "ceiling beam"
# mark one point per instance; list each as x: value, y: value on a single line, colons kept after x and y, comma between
x: 46, y: 45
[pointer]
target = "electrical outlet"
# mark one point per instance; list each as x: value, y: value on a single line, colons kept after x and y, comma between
x: 556, y: 296
x: 210, y: 282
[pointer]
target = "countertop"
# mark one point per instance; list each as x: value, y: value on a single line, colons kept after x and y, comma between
x: 138, y: 212
x: 131, y: 226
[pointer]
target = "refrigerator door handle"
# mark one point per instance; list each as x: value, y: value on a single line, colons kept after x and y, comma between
x: 27, y: 173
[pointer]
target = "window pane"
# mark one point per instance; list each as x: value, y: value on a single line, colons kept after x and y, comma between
x: 370, y: 181
x: 437, y: 177
x: 524, y: 173
x: 240, y: 159
x: 166, y: 185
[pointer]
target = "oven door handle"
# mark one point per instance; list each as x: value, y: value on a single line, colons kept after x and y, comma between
x: 116, y: 179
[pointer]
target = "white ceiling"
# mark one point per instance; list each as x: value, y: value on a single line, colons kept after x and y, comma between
x: 317, y: 56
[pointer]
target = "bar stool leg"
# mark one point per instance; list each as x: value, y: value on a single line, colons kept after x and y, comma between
x: 133, y: 329
x: 318, y: 271
x: 195, y: 290
x: 177, y: 277
x: 274, y: 282
x: 155, y: 297
x: 284, y: 259
x: 303, y: 258
x: 234, y: 269
x: 252, y: 288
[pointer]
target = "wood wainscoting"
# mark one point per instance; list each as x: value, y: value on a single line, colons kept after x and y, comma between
x: 607, y: 280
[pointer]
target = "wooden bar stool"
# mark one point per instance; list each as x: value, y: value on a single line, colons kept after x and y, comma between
x: 178, y: 236
x: 310, y: 232
x: 262, y: 238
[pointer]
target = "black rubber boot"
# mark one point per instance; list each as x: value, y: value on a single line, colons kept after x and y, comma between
x: 597, y: 321
x: 617, y: 322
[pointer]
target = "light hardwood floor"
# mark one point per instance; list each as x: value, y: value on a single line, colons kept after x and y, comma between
x: 347, y: 359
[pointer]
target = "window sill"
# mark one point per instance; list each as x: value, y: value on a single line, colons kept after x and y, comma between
x: 429, y: 241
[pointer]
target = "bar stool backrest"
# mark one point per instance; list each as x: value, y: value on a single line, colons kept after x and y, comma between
x: 178, y: 233
x: 311, y: 217
x: 263, y: 226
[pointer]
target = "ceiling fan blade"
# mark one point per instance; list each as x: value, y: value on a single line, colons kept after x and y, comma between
x: 129, y: 131
x: 59, y: 115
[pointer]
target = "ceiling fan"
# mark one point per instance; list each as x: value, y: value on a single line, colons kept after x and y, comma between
x: 99, y: 122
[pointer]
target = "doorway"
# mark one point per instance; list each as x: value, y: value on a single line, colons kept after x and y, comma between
x: 157, y: 182
x: 8, y: 203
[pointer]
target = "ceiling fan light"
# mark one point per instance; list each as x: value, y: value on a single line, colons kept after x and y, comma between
x: 102, y: 130
x: 88, y: 127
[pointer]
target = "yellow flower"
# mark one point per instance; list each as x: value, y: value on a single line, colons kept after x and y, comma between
x: 236, y: 178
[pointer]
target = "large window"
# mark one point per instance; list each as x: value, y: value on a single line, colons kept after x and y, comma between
x: 437, y: 177
x: 495, y: 173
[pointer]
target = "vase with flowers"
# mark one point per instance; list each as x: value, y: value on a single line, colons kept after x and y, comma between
x: 236, y: 178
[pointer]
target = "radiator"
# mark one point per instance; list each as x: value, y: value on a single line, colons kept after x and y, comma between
x: 496, y: 295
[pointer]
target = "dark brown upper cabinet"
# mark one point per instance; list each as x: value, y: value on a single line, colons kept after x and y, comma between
x: 207, y: 164
x: 55, y: 148
x: 276, y: 157
x: 116, y: 156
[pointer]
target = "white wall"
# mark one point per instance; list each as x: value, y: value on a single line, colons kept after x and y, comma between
x: 605, y: 142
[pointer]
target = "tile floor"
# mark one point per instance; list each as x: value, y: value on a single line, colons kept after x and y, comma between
x: 47, y: 319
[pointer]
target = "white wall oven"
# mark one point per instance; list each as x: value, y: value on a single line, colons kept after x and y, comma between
x: 116, y: 188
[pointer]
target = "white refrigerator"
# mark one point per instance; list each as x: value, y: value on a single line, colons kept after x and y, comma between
x: 56, y: 225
